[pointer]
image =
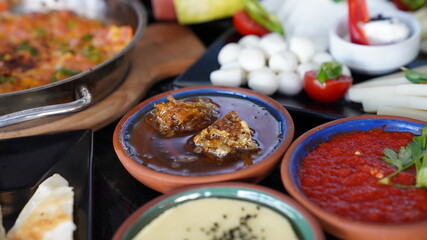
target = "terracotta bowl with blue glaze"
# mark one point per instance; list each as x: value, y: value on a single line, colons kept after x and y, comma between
x: 142, y: 152
x: 337, y: 225
x: 302, y: 222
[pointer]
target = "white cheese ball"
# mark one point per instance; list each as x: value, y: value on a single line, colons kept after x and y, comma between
x: 283, y: 61
x: 229, y: 53
x: 290, y: 83
x: 272, y: 43
x: 249, y: 75
x: 251, y: 59
x: 249, y: 41
x: 321, y: 57
x: 228, y: 65
x: 263, y: 81
x: 305, y: 67
x: 303, y: 48
x: 232, y: 77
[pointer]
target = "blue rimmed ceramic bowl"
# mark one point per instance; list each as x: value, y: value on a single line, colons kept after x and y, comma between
x: 271, y: 123
x: 302, y: 223
x: 338, y: 225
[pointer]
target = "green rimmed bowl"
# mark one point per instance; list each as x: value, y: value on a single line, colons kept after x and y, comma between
x: 302, y: 222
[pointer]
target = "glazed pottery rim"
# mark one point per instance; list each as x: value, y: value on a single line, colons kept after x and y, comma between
x: 327, y: 218
x: 271, y: 159
x: 225, y: 190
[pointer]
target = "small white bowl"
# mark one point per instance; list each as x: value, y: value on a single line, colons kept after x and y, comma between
x: 378, y: 59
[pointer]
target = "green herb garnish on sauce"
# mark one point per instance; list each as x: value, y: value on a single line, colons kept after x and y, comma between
x: 414, y: 153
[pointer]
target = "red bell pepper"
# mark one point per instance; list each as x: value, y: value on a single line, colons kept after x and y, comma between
x: 357, y: 15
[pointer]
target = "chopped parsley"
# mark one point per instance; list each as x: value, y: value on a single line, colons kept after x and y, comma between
x: 63, y: 72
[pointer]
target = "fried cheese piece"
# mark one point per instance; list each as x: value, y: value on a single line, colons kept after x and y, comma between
x: 183, y: 116
x: 48, y: 215
x: 227, y: 135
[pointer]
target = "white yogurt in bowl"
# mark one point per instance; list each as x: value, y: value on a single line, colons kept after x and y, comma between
x: 376, y: 59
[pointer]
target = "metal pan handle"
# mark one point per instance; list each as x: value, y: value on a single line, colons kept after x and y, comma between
x: 48, y: 111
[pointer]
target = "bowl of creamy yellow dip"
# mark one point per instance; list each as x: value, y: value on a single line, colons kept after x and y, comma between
x: 235, y: 211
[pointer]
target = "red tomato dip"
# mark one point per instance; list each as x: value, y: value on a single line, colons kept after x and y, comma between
x: 341, y: 176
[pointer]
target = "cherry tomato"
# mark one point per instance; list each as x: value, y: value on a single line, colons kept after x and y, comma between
x: 330, y: 91
x: 245, y: 25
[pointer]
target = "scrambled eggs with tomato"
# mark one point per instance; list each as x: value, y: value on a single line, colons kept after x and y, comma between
x: 41, y: 48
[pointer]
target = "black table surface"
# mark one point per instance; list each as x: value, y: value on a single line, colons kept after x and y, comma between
x: 116, y: 194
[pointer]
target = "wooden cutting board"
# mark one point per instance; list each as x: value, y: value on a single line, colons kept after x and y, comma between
x: 164, y: 50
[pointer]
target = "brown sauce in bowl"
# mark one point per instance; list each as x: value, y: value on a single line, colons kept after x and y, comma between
x: 175, y: 155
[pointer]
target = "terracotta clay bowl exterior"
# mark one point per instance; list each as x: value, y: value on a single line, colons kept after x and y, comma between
x: 164, y: 182
x: 303, y: 223
x: 337, y: 225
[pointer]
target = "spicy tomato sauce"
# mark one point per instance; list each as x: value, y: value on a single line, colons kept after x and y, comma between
x: 341, y: 176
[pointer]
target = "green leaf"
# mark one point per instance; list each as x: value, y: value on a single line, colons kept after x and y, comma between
x: 413, y: 76
x: 413, y: 4
x: 260, y: 15
x: 422, y: 173
x: 92, y: 53
x: 41, y: 32
x: 87, y: 37
x: 6, y: 79
x: 63, y: 72
x: 414, y: 153
x: 329, y: 70
x: 24, y: 46
x: 401, y: 160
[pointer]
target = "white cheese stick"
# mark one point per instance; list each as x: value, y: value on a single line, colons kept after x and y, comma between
x: 358, y: 94
x: 403, y: 112
x: 372, y: 104
x: 381, y: 82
